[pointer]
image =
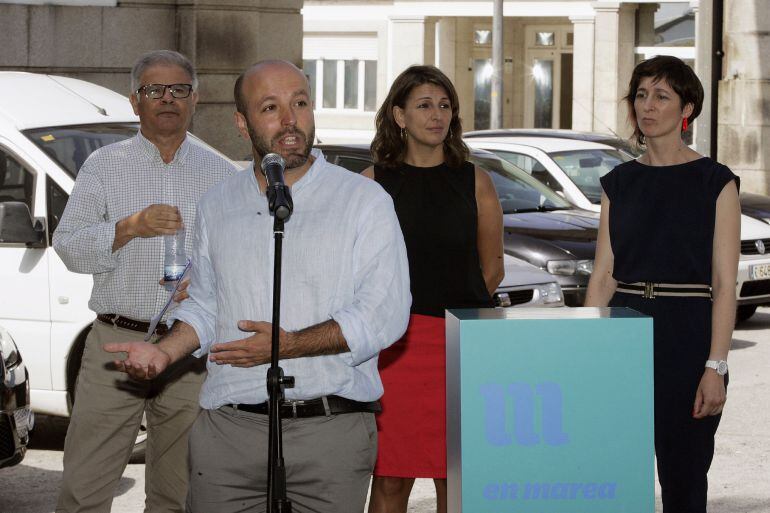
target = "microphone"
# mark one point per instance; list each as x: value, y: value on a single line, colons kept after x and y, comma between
x: 278, y: 193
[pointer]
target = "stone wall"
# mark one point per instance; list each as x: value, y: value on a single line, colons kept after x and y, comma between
x: 744, y: 94
x: 100, y: 44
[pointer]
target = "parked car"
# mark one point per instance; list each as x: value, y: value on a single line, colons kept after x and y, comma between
x: 610, y: 140
x: 540, y: 227
x: 571, y: 167
x: 16, y: 417
x: 571, y: 163
x: 752, y: 205
x: 756, y: 206
x: 49, y: 125
x: 525, y: 285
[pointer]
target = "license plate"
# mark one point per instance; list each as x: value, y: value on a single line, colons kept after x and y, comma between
x: 759, y: 272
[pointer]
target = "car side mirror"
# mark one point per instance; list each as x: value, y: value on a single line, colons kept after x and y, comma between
x: 18, y: 227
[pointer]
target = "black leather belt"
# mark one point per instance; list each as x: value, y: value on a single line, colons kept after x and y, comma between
x: 650, y: 290
x: 131, y: 324
x: 323, y: 406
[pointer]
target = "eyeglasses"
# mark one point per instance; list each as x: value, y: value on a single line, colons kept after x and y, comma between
x: 157, y: 91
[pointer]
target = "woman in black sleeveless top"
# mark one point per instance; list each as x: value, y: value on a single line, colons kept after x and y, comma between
x: 452, y: 224
x: 669, y: 240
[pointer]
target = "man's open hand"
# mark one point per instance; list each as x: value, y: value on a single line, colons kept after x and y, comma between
x: 143, y: 361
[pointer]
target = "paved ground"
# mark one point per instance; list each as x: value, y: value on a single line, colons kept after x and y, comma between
x: 739, y: 478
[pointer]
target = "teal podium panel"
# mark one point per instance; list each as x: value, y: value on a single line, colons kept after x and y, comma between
x: 550, y: 411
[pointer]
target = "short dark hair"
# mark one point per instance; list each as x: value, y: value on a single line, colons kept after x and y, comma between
x: 678, y: 75
x: 387, y: 147
x: 240, y: 101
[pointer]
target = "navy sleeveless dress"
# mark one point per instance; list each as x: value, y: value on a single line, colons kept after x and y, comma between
x: 661, y: 223
x: 436, y: 207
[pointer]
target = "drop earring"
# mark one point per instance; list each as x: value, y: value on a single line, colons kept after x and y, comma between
x: 403, y: 133
x: 684, y: 125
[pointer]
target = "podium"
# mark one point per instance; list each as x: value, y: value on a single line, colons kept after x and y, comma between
x: 550, y: 411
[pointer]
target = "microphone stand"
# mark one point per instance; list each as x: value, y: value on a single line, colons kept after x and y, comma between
x: 280, y: 204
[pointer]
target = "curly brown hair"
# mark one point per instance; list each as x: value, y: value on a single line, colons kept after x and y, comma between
x: 388, y: 147
x: 676, y: 74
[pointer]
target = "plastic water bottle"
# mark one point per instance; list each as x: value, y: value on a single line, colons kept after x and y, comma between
x: 175, y: 258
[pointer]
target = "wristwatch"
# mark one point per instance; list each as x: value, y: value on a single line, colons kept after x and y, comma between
x: 718, y: 365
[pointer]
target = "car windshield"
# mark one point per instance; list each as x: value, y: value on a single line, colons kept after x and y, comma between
x: 517, y: 190
x: 70, y: 146
x: 585, y: 167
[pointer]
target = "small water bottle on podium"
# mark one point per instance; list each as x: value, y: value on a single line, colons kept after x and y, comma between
x: 174, y: 259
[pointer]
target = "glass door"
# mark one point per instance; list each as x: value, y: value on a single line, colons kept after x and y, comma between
x: 548, y: 78
x: 482, y: 93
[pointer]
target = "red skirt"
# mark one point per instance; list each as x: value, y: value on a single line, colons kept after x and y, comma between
x: 412, y: 426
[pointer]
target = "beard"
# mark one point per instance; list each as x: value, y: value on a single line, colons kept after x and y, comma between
x: 293, y: 159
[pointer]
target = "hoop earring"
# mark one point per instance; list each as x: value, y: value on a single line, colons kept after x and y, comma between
x: 404, y: 135
x: 684, y: 125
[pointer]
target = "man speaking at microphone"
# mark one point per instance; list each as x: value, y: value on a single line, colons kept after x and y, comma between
x: 345, y: 290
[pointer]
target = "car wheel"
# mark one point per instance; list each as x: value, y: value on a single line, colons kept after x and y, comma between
x: 73, y: 368
x: 744, y: 312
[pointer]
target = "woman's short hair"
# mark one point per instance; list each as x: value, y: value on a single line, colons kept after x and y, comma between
x: 678, y: 75
x: 388, y: 147
x: 163, y: 57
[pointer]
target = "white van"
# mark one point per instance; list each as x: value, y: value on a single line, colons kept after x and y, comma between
x: 49, y: 125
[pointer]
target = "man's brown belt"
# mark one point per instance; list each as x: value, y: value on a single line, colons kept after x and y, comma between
x: 131, y: 324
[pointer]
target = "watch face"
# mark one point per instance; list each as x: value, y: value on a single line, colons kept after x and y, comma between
x: 722, y: 368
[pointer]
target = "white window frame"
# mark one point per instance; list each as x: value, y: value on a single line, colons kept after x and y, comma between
x: 340, y: 99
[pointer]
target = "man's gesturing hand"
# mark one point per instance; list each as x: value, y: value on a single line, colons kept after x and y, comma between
x: 144, y: 360
x: 247, y: 352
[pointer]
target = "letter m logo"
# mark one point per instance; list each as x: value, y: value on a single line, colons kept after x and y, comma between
x: 524, y: 399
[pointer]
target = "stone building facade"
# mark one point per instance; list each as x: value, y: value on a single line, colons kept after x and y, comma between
x: 99, y: 42
x: 567, y: 64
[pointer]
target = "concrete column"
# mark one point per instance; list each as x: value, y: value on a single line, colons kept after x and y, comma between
x: 496, y: 107
x: 583, y: 73
x: 446, y: 29
x: 222, y: 40
x: 704, y: 50
x: 406, y: 37
x: 744, y: 94
x: 614, y: 39
x: 646, y: 26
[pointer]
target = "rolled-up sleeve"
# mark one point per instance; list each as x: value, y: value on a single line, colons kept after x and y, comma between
x: 200, y: 309
x: 84, y: 237
x: 379, y: 312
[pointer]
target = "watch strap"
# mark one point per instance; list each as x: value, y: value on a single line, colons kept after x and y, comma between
x: 718, y: 365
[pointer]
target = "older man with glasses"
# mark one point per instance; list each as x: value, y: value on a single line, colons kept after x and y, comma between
x: 127, y: 196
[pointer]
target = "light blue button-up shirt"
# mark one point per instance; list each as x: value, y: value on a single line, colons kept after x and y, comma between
x: 343, y: 258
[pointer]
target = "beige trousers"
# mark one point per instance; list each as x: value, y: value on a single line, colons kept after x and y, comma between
x: 329, y: 462
x: 105, y: 421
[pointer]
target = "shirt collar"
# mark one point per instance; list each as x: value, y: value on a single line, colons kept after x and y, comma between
x: 308, y: 177
x: 153, y: 152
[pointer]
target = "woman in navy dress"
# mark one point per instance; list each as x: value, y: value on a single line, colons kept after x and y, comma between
x: 669, y: 241
x: 452, y: 224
